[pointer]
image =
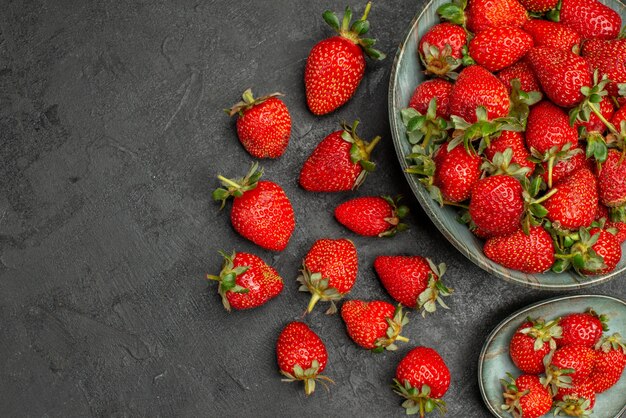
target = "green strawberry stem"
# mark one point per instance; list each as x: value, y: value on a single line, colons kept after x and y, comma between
x: 370, y: 147
x: 237, y: 187
x: 594, y: 108
x: 402, y: 338
x: 227, y: 278
x: 315, y: 297
x: 418, y: 400
x: 310, y: 376
x: 314, y: 283
x: 353, y: 31
x: 458, y: 205
x: 228, y: 181
x: 248, y: 102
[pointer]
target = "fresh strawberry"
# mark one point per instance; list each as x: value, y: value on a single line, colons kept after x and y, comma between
x: 339, y: 163
x: 575, y: 202
x: 564, y: 167
x: 336, y: 65
x: 246, y: 281
x: 422, y: 378
x: 483, y: 14
x: 441, y: 48
x: 561, y: 74
x: 476, y: 87
x: 532, y: 341
x: 261, y: 210
x: 413, y: 281
x: 618, y: 229
x: 521, y: 71
x: 607, y: 247
x: 612, y: 180
x: 372, y: 216
x: 456, y: 171
x: 539, y: 6
x: 582, y: 329
x: 529, y: 253
x: 374, y: 325
x: 497, y: 205
x: 514, y: 141
x: 618, y: 117
x: 575, y: 401
x: 569, y: 365
x: 525, y: 397
x: 329, y: 271
x: 595, y: 124
x: 609, y: 58
x: 263, y: 125
x: 602, y: 212
x: 301, y: 355
x: 498, y: 47
x: 609, y: 364
x: 436, y: 88
x: 553, y: 35
x: 590, y: 19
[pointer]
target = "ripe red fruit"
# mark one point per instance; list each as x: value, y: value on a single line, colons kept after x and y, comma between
x: 476, y: 87
x: 436, y: 88
x: 261, y: 210
x: 532, y: 341
x: 576, y: 401
x: 372, y: 216
x: 618, y: 229
x: 497, y: 205
x: 515, y: 141
x: 609, y: 363
x: 301, y: 355
x: 329, y: 271
x: 246, y: 281
x: 525, y: 397
x: 456, y: 171
x: 263, y: 125
x: 607, y: 247
x: 548, y: 126
x: 575, y: 202
x: 581, y: 328
x: 482, y: 14
x: 339, y: 163
x: 441, y: 48
x: 522, y: 71
x: 570, y: 364
x: 612, y: 180
x: 412, y: 281
x: 609, y: 58
x: 374, y: 325
x: 539, y: 6
x: 590, y: 18
x: 335, y: 66
x: 496, y: 48
x: 563, y: 168
x: 553, y: 35
x: 532, y: 253
x: 595, y: 124
x: 422, y: 378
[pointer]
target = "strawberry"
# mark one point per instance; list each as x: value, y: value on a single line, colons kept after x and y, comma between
x: 522, y: 71
x: 483, y: 14
x: 514, y: 141
x: 566, y: 166
x: 606, y: 246
x: 575, y: 202
x: 569, y: 365
x: 576, y: 401
x: 441, y: 48
x: 246, y: 281
x: 498, y: 47
x: 263, y: 125
x: 590, y: 18
x: 335, y: 66
x: 618, y: 229
x: 374, y: 325
x: 339, y: 163
x: 422, y: 378
x: 436, y: 88
x: 456, y: 171
x: 609, y: 58
x: 497, y: 205
x: 372, y: 216
x: 532, y: 341
x: 525, y: 397
x: 582, y: 329
x: 329, y: 271
x: 539, y: 6
x: 553, y: 35
x: 476, y: 87
x: 529, y: 253
x: 413, y: 281
x: 561, y: 74
x: 261, y: 210
x: 609, y: 364
x: 595, y: 124
x: 612, y: 180
x: 301, y: 355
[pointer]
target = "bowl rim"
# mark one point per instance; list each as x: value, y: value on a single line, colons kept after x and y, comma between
x: 417, y: 189
x: 519, y: 312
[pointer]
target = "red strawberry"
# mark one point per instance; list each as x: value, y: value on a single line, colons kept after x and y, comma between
x: 607, y: 247
x: 539, y: 6
x: 590, y: 18
x: 532, y: 341
x: 456, y: 171
x: 412, y: 281
x: 422, y: 378
x: 522, y: 71
x: 561, y: 74
x: 329, y: 271
x: 575, y: 202
x: 532, y: 253
x: 566, y: 166
x: 498, y: 47
x: 547, y: 127
x: 612, y: 180
x: 582, y: 329
x: 374, y: 325
x: 263, y: 125
x: 569, y: 365
x: 372, y: 216
x: 261, y: 210
x: 594, y: 124
x: 497, y: 204
x: 301, y: 355
x: 441, y: 48
x: 576, y: 401
x: 246, y: 281
x: 609, y: 58
x: 515, y: 141
x: 618, y: 117
x: 525, y: 397
x: 618, y: 229
x: 553, y: 35
x: 483, y: 14
x: 436, y: 88
x: 609, y: 364
x: 339, y: 163
x: 476, y: 87
x: 336, y: 65
x: 602, y: 212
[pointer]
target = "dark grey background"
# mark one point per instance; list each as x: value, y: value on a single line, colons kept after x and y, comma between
x: 111, y: 134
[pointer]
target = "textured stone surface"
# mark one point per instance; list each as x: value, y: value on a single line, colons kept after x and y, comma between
x: 111, y: 134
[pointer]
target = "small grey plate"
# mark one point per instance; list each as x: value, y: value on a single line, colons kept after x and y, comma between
x: 494, y: 360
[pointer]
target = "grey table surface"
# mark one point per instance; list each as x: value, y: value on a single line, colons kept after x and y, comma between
x: 111, y: 135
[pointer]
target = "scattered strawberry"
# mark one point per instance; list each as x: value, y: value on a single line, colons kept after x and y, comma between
x: 374, y: 325
x: 576, y: 401
x: 476, y: 87
x: 529, y: 253
x: 590, y: 19
x: 539, y: 6
x: 569, y: 365
x: 496, y: 48
x: 532, y: 341
x: 582, y: 329
x: 515, y: 141
x: 436, y: 88
x: 441, y: 48
x: 497, y: 205
x: 525, y: 397
x: 609, y: 363
x: 522, y: 71
x: 553, y: 35
x: 456, y: 171
x: 483, y: 14
x: 609, y: 58
x: 575, y: 202
x: 612, y: 180
x: 372, y: 216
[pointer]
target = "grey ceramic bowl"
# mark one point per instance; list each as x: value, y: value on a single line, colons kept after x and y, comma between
x: 405, y: 76
x: 494, y: 359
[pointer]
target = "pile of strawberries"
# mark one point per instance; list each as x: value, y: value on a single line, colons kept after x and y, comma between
x: 262, y: 213
x: 522, y: 125
x: 564, y: 362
